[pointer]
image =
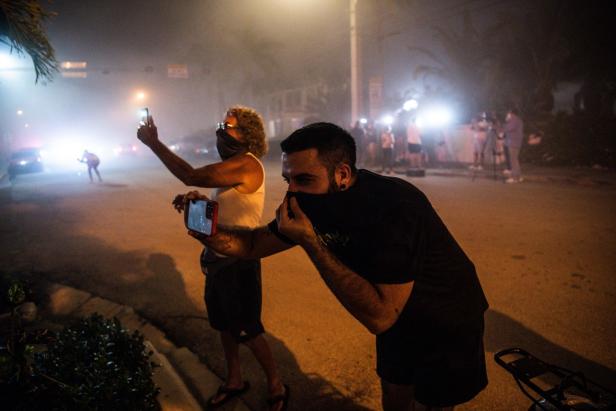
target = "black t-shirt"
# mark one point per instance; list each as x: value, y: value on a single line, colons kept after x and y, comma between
x: 386, y: 230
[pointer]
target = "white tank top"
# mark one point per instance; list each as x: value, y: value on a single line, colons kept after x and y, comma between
x: 239, y: 209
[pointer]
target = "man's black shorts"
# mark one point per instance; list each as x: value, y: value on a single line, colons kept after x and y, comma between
x: 414, y: 148
x: 233, y: 296
x: 446, y: 367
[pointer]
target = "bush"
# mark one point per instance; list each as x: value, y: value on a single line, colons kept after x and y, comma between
x: 572, y: 140
x: 93, y: 365
x: 12, y: 292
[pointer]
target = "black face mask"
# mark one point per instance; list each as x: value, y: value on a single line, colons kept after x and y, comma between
x: 227, y: 146
x: 333, y: 217
x: 325, y: 210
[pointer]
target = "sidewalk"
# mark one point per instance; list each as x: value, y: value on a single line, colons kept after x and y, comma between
x: 583, y: 176
x: 185, y: 382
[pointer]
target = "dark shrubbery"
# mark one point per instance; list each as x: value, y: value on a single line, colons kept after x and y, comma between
x: 92, y: 365
x: 101, y: 366
x: 572, y: 140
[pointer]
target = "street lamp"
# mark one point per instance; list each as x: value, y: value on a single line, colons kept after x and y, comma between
x: 20, y: 112
x: 140, y: 95
x: 355, y: 72
x: 410, y: 105
x: 388, y: 120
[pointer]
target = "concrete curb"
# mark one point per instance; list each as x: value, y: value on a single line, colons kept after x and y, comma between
x: 185, y: 382
x: 581, y: 180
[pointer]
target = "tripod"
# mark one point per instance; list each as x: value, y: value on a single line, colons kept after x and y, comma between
x: 493, y: 148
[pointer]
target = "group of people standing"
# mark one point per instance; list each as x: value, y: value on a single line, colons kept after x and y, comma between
x: 385, y: 147
x: 504, y: 139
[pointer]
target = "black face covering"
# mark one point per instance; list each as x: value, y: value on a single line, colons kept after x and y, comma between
x: 325, y: 210
x: 337, y: 221
x: 227, y: 146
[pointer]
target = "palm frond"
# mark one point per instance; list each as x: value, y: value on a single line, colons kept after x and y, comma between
x: 21, y: 28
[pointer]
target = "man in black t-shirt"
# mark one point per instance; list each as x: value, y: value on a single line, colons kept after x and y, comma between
x: 388, y: 258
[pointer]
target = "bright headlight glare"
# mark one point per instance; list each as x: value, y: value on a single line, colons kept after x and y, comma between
x: 435, y: 117
x: 388, y: 120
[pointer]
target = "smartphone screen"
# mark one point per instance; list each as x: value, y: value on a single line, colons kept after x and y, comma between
x: 145, y: 116
x: 201, y: 216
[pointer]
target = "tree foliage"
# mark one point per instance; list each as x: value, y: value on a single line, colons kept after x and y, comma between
x: 21, y: 28
x: 522, y: 54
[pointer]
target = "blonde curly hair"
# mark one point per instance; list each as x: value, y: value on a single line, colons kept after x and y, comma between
x: 253, y: 130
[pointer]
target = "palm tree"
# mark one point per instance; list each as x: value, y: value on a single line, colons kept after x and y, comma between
x: 21, y: 28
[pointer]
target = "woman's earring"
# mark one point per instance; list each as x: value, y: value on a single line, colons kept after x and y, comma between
x: 343, y: 186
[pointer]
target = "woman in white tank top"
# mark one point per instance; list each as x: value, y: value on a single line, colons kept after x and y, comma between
x: 233, y: 287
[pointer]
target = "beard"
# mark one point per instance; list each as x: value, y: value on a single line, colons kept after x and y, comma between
x: 333, y: 186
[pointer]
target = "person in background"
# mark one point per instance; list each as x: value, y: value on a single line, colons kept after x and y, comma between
x: 413, y: 138
x: 371, y: 144
x: 498, y: 139
x: 359, y: 135
x: 93, y: 162
x: 480, y: 127
x: 387, y: 147
x: 514, y: 135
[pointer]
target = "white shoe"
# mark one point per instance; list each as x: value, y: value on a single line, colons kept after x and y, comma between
x: 472, y: 167
x: 513, y: 180
x: 479, y: 168
x: 506, y: 172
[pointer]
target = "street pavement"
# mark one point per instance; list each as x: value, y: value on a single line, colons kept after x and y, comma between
x: 544, y: 250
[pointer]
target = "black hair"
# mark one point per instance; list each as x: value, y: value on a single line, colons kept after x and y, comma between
x: 334, y: 145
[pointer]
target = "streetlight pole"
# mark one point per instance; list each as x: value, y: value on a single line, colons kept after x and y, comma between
x: 355, y: 69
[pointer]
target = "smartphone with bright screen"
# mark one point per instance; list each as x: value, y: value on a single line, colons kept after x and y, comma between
x: 202, y: 216
x: 145, y: 116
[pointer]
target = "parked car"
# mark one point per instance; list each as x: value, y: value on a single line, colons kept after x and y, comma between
x: 195, y: 148
x: 126, y: 150
x: 25, y: 160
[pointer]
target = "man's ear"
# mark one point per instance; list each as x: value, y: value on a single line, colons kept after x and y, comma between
x: 343, y: 176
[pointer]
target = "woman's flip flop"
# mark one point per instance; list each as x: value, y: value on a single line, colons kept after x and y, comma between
x: 284, y: 397
x: 226, y: 394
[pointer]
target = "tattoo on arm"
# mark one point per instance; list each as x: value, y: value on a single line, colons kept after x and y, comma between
x: 245, y: 243
x: 361, y: 298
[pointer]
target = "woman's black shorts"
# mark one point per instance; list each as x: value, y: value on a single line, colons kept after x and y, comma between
x: 233, y: 296
x: 414, y: 148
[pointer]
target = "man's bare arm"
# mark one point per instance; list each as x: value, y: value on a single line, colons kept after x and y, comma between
x: 376, y: 306
x: 243, y: 242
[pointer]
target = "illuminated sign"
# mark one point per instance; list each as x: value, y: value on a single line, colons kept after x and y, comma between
x: 177, y: 71
x: 74, y: 74
x: 69, y: 65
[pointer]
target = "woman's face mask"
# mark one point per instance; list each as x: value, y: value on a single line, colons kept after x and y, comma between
x: 228, y: 146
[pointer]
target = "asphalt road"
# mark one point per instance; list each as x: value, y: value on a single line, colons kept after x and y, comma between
x: 545, y: 254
